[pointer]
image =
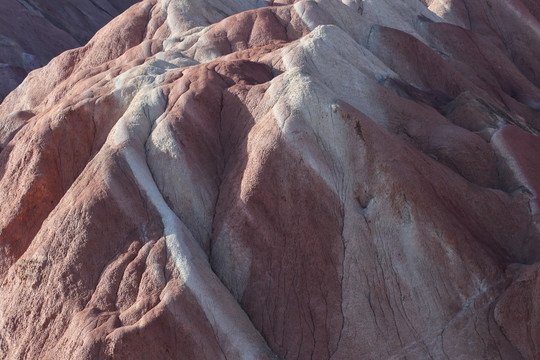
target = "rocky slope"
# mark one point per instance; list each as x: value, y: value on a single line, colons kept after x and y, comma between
x: 242, y: 179
x: 32, y: 32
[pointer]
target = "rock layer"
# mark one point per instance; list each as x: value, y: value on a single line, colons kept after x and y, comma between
x: 298, y: 180
x: 32, y: 32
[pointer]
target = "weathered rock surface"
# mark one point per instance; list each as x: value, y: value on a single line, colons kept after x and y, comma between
x: 32, y: 32
x: 299, y: 180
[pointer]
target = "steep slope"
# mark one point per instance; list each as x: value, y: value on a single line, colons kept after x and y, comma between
x: 32, y: 32
x: 298, y: 180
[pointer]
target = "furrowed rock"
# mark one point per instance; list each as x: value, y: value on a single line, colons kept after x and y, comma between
x: 277, y: 180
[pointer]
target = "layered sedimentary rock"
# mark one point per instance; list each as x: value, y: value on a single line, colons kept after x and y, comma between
x: 32, y: 32
x: 297, y: 180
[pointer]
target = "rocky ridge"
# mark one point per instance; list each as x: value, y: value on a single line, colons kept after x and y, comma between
x: 256, y: 180
x: 32, y: 32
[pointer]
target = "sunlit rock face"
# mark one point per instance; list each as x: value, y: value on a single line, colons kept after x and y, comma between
x: 244, y: 179
x: 32, y: 32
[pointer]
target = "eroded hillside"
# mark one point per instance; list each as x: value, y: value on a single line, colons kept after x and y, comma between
x: 252, y: 180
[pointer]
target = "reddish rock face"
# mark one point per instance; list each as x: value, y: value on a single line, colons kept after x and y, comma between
x: 33, y: 32
x: 276, y: 179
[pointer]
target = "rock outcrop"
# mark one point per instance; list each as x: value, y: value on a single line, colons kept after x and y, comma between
x: 242, y: 179
x: 32, y: 32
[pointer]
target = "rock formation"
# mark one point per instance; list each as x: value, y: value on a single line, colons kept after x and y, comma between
x: 32, y: 32
x: 241, y: 179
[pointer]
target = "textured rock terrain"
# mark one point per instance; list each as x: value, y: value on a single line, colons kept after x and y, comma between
x: 32, y: 32
x: 242, y: 179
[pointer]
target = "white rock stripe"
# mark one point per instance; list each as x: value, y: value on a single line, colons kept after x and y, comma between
x: 234, y: 331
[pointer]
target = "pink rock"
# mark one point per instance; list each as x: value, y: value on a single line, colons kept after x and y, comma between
x: 244, y: 179
x: 33, y: 32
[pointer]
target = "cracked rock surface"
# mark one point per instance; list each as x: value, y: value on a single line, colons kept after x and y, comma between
x: 247, y: 179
